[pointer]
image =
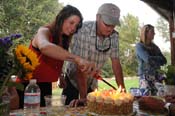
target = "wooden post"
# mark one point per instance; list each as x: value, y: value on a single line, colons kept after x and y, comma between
x: 172, y: 39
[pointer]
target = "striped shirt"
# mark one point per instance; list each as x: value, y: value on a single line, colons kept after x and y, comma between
x: 84, y: 44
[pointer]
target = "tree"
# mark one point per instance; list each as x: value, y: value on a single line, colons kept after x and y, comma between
x: 163, y: 29
x: 128, y: 34
x: 26, y: 16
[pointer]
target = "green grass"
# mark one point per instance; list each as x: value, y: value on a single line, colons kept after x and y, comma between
x: 131, y: 82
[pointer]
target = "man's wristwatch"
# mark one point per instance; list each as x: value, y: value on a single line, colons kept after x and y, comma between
x: 167, y: 106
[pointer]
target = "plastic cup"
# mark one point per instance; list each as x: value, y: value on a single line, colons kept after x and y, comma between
x: 55, y: 104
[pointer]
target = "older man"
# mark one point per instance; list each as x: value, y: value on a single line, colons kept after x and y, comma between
x: 96, y: 41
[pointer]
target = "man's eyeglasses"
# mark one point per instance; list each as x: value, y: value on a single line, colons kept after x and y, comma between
x: 102, y: 48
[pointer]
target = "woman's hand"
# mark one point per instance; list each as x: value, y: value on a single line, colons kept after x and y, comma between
x: 78, y: 102
x: 86, y: 66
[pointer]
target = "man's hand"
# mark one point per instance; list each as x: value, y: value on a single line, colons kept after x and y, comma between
x: 78, y: 102
x: 86, y: 66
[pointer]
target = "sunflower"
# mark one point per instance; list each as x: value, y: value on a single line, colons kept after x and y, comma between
x: 20, y: 62
x: 27, y: 61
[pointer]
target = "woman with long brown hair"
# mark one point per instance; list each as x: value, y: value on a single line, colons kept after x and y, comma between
x: 51, y: 44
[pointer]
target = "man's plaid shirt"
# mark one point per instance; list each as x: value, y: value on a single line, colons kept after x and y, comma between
x: 84, y: 44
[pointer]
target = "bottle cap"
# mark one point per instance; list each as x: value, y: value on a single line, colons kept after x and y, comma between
x: 33, y: 81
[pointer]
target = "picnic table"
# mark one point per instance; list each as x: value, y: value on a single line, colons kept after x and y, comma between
x: 82, y: 111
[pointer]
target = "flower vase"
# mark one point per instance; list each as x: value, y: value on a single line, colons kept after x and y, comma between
x: 5, y: 104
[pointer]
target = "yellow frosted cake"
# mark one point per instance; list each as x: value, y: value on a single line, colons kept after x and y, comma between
x: 110, y: 102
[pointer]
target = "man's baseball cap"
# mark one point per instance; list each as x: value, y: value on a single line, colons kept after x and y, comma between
x: 110, y: 14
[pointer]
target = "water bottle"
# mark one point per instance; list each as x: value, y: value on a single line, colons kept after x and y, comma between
x: 32, y: 99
